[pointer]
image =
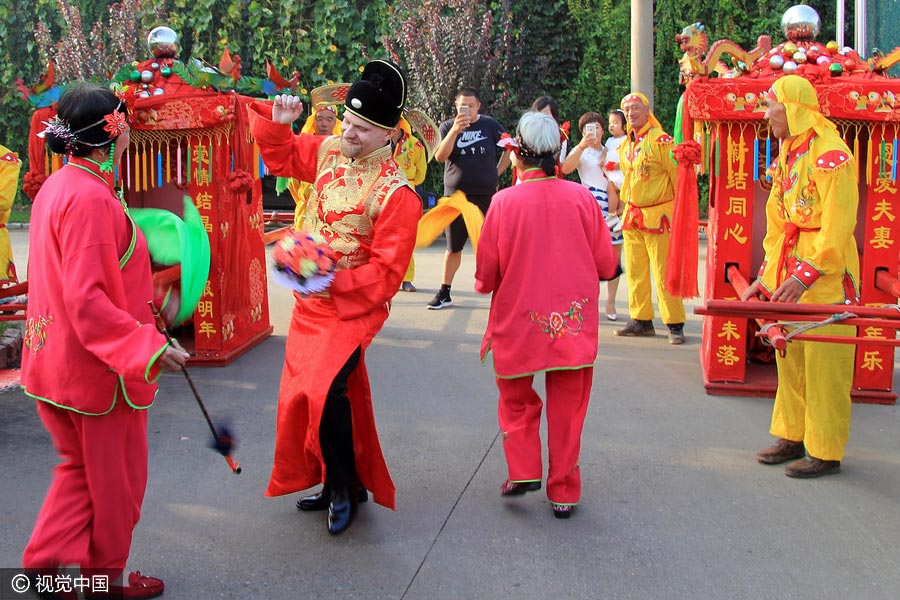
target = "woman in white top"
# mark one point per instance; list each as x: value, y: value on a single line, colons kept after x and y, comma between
x: 589, y: 157
x: 616, y: 137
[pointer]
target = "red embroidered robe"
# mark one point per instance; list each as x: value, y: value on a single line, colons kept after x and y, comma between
x: 368, y: 212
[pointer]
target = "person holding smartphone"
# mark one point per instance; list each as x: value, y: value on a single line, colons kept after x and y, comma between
x: 473, y: 163
x: 588, y: 157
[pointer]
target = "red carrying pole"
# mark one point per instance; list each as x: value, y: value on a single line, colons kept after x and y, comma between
x: 775, y: 335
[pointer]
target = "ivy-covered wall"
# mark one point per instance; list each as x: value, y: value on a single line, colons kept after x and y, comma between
x: 577, y: 51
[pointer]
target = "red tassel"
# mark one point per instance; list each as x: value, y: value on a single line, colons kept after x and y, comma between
x: 37, y: 153
x: 681, y: 264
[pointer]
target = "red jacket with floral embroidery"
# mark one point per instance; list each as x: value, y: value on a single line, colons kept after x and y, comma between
x: 89, y: 337
x: 542, y: 252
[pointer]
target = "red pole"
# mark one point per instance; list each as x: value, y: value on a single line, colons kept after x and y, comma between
x: 886, y: 282
x: 775, y: 335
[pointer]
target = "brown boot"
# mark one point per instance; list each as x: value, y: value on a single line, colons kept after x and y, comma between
x: 812, y: 467
x: 637, y: 328
x: 782, y: 451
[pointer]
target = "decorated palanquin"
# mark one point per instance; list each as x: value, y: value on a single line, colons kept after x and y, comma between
x: 193, y: 141
x: 725, y: 115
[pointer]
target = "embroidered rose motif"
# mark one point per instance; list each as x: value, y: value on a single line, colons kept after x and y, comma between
x: 36, y: 333
x: 558, y: 324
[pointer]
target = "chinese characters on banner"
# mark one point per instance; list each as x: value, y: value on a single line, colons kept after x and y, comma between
x: 729, y: 242
x: 875, y: 364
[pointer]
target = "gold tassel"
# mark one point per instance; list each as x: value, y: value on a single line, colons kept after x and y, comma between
x: 152, y: 166
x: 869, y: 158
x: 137, y: 169
x: 146, y: 167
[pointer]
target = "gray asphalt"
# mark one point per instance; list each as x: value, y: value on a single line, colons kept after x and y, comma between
x: 674, y: 504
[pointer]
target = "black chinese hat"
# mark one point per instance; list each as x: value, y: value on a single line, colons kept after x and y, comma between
x: 379, y: 95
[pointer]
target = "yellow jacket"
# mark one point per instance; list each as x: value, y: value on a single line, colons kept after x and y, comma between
x: 813, y: 201
x: 649, y: 186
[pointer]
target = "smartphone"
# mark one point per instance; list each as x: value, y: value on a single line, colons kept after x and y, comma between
x: 590, y: 128
x: 463, y: 110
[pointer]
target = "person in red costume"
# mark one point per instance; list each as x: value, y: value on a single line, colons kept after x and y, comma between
x: 363, y: 205
x: 92, y: 352
x: 545, y: 225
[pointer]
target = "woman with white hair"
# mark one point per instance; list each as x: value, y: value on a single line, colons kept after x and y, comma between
x: 544, y: 226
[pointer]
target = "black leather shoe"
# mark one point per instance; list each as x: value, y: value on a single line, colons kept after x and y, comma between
x: 321, y: 500
x: 341, y: 511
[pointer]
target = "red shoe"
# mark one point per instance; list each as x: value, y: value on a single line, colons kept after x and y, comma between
x: 139, y: 586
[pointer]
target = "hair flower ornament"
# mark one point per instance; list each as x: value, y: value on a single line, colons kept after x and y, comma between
x: 116, y: 123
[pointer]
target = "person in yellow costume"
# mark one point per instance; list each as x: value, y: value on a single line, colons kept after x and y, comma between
x: 10, y: 165
x: 647, y: 192
x: 409, y: 154
x: 811, y: 258
x: 323, y: 121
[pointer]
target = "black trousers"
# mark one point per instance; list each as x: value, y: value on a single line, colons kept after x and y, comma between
x: 336, y: 430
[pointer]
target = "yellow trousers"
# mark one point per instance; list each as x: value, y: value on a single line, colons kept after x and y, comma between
x: 813, y: 398
x: 646, y: 252
x: 411, y: 270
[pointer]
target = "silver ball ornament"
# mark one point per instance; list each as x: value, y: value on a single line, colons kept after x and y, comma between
x: 799, y: 57
x: 800, y: 23
x: 158, y: 92
x: 789, y: 67
x: 163, y: 42
x: 776, y: 61
x: 146, y: 76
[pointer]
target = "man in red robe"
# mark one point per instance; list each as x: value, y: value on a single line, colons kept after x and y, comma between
x: 364, y: 206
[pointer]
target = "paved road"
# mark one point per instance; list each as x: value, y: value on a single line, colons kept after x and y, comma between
x: 674, y: 503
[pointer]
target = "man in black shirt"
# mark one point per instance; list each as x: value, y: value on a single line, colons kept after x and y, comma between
x: 473, y: 163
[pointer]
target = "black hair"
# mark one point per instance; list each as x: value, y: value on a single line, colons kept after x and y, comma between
x: 621, y: 114
x: 82, y: 107
x: 589, y: 117
x: 468, y: 91
x: 543, y: 102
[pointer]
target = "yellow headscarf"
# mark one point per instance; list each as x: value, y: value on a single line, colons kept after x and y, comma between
x: 310, y: 125
x: 10, y: 165
x: 632, y: 96
x: 404, y: 125
x: 802, y: 105
x: 300, y: 189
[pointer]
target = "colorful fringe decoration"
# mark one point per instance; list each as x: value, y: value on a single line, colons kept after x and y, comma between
x: 894, y: 160
x: 756, y: 157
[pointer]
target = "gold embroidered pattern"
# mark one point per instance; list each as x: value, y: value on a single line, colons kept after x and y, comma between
x: 348, y: 198
x: 557, y: 324
x: 36, y: 333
